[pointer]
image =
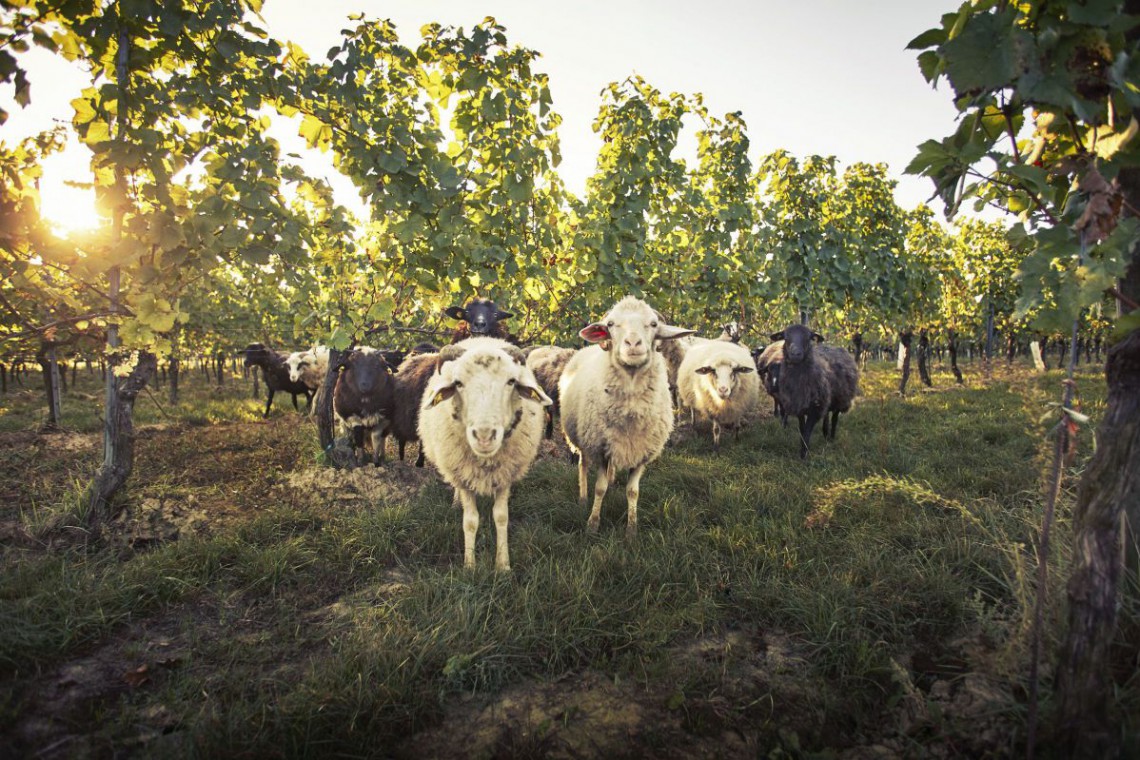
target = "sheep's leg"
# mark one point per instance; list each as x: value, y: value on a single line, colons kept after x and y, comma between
x: 357, y: 445
x: 420, y: 458
x: 601, y: 485
x: 402, y: 444
x: 807, y: 425
x: 295, y: 407
x: 826, y: 425
x: 716, y: 436
x: 583, y: 477
x: 268, y: 403
x: 470, y: 525
x: 502, y: 519
x: 834, y: 424
x: 632, y: 491
x: 379, y: 442
x: 549, y: 424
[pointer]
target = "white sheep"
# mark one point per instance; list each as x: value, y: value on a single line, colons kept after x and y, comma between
x: 309, y: 367
x: 480, y: 424
x: 718, y: 382
x: 616, y: 408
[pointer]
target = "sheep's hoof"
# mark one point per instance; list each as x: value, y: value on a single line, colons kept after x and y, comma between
x: 592, y: 525
x: 502, y: 568
x: 631, y: 531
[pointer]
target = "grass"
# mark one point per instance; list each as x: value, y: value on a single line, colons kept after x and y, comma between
x: 877, y: 593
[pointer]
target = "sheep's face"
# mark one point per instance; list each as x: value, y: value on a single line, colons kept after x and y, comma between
x: 630, y: 331
x: 797, y: 342
x: 722, y: 376
x: 733, y: 331
x: 482, y: 316
x: 298, y: 362
x: 772, y: 377
x: 367, y: 372
x: 255, y: 354
x: 487, y: 388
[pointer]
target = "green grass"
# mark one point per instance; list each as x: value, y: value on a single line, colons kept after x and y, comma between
x: 304, y: 624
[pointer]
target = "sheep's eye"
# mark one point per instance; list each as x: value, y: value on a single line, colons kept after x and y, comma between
x: 610, y: 323
x: 512, y: 381
x: 653, y: 323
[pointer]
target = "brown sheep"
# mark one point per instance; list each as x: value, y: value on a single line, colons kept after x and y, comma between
x: 547, y: 363
x: 411, y: 378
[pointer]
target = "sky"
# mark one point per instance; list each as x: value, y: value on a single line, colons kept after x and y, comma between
x: 829, y: 77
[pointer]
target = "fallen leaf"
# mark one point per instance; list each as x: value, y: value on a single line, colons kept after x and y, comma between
x: 137, y: 677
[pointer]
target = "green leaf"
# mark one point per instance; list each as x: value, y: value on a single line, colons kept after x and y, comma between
x: 991, y: 52
x: 929, y: 38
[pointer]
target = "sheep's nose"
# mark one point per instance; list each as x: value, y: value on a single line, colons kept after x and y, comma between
x: 723, y: 390
x: 485, y: 435
x: 633, y: 342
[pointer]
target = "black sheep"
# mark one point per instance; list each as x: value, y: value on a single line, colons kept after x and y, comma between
x: 481, y: 318
x: 363, y: 399
x: 844, y: 380
x: 804, y: 388
x: 276, y: 374
x: 768, y: 363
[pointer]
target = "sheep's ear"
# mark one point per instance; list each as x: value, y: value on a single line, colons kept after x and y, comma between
x: 670, y: 332
x: 456, y: 312
x: 743, y: 369
x: 515, y: 353
x: 443, y: 394
x: 777, y: 335
x: 595, y: 333
x: 816, y: 337
x: 533, y: 394
x: 705, y: 370
x: 501, y: 315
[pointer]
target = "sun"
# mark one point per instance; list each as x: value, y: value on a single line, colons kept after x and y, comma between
x: 65, y: 203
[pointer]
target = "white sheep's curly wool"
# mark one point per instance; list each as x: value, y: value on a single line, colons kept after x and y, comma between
x: 700, y: 392
x: 485, y: 371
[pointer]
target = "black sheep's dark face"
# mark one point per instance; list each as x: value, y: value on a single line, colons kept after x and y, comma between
x: 368, y: 370
x: 481, y: 316
x: 797, y: 342
x: 254, y: 354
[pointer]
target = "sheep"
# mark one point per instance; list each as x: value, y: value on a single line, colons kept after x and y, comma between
x: 718, y: 382
x: 309, y: 367
x: 768, y: 364
x: 411, y: 378
x: 809, y: 386
x: 480, y: 318
x: 616, y: 407
x: 363, y: 398
x: 731, y: 332
x: 276, y: 374
x: 480, y: 423
x: 673, y: 352
x: 547, y: 363
x: 844, y: 384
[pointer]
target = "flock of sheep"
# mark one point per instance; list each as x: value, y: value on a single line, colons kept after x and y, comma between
x: 479, y: 406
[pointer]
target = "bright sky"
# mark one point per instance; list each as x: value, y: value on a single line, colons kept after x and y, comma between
x: 816, y: 76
